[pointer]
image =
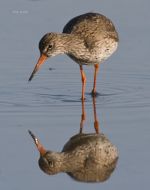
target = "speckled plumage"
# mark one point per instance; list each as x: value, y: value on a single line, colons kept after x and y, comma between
x: 85, y: 157
x: 99, y: 35
x: 88, y: 39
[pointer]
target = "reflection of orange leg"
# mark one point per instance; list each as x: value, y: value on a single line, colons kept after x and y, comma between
x: 83, y: 78
x: 96, y: 123
x: 83, y: 116
x: 95, y: 76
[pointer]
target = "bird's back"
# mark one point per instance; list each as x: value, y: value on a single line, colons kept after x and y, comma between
x: 95, y: 157
x: 89, y: 24
x: 98, y: 36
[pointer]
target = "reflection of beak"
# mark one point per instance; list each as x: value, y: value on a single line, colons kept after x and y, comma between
x: 38, y: 65
x: 40, y: 147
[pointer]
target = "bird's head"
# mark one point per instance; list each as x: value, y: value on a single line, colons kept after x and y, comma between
x: 49, y: 162
x: 50, y: 45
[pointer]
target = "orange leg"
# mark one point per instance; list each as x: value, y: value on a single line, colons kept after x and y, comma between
x: 95, y: 76
x: 96, y: 122
x: 83, y: 78
x: 83, y: 117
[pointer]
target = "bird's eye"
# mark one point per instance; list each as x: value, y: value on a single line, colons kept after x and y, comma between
x: 50, y: 46
x: 50, y: 163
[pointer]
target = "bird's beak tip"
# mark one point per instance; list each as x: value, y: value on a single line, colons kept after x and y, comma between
x: 39, y: 146
x: 29, y: 80
x: 38, y: 65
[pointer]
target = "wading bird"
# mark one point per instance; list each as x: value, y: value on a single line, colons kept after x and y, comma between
x: 88, y: 39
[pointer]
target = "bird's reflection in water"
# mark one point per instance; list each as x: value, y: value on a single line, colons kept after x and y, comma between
x: 85, y: 157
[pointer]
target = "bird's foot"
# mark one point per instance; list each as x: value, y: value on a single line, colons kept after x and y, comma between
x: 83, y: 98
x: 94, y: 93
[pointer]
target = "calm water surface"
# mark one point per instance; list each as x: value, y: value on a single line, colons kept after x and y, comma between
x: 50, y: 105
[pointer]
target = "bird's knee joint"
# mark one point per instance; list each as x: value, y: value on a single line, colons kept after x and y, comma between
x: 83, y: 79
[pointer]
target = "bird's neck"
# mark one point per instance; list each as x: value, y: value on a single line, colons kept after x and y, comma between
x: 72, y: 43
x: 71, y: 162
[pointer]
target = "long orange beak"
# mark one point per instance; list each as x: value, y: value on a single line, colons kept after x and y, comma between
x: 39, y: 146
x: 38, y: 65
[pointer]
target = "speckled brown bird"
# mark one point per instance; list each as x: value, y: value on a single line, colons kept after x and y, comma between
x: 88, y: 39
x: 85, y: 157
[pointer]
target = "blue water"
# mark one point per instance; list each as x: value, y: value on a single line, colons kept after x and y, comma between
x: 50, y: 105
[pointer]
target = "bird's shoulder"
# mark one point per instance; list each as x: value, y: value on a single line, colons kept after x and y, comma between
x: 87, y: 23
x: 92, y: 27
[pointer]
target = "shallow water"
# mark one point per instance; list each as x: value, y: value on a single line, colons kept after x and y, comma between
x: 50, y: 105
